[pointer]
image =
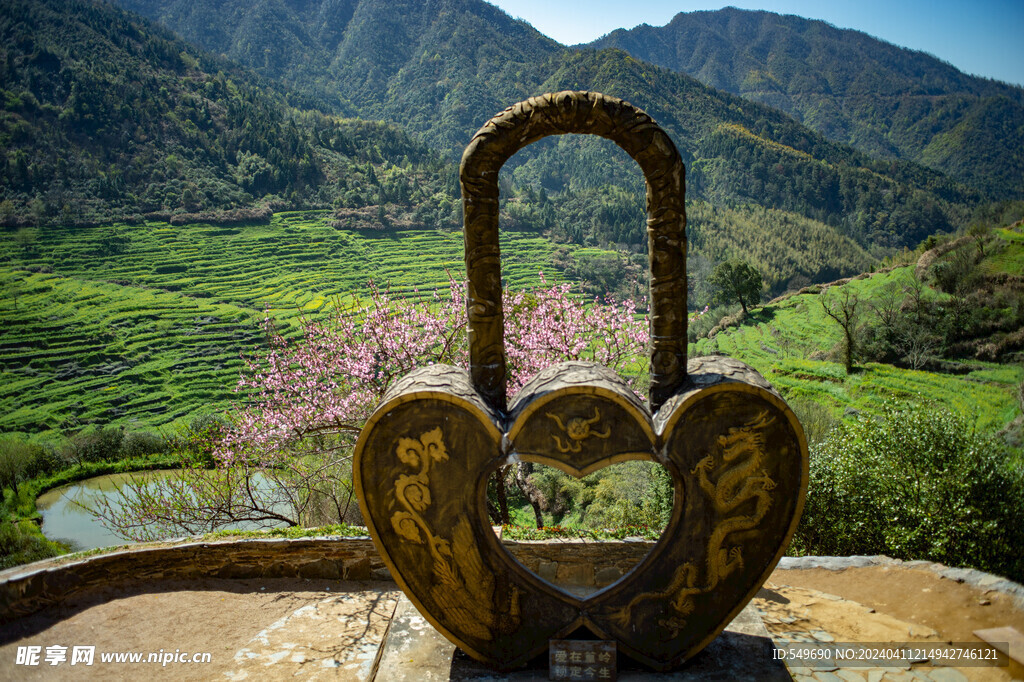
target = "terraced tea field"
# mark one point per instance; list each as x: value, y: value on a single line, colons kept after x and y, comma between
x: 146, y: 322
x: 76, y: 351
x: 1011, y: 258
x: 780, y: 340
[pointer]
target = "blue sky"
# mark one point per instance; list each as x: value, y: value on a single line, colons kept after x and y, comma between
x: 981, y: 37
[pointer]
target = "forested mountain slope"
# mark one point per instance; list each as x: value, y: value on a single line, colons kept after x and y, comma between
x: 739, y: 152
x: 440, y: 68
x: 105, y: 115
x: 885, y: 100
x: 437, y: 67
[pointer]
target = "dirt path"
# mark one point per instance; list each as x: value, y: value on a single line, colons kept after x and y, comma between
x: 235, y: 621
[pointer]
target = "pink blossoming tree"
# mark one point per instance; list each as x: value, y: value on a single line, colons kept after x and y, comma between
x: 285, y: 458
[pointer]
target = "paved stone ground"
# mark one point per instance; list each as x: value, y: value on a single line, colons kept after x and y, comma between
x: 332, y: 638
x: 802, y: 615
x: 324, y: 629
x: 415, y: 651
x: 877, y: 599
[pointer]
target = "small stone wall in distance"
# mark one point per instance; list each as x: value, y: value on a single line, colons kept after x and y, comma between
x: 578, y: 562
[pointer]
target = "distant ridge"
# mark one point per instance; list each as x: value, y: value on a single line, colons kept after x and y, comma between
x: 885, y: 100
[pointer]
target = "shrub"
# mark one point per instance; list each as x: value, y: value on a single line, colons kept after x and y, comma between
x: 632, y: 494
x: 93, y: 446
x: 21, y: 544
x: 701, y: 324
x: 816, y: 419
x: 628, y: 494
x: 916, y: 483
x: 18, y: 462
x: 142, y: 443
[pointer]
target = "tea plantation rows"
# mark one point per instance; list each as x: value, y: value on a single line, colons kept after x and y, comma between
x: 147, y: 322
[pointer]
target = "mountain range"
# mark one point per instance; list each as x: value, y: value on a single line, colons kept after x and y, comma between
x: 392, y: 59
x: 885, y: 100
x: 273, y: 103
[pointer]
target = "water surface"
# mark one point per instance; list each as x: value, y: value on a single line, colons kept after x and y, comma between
x: 65, y: 517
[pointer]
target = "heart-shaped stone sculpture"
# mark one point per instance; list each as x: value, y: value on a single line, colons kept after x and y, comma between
x: 735, y: 451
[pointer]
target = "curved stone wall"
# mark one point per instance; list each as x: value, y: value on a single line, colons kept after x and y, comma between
x: 27, y: 589
x: 571, y: 564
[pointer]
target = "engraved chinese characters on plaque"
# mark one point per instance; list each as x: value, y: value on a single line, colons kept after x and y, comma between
x: 735, y: 451
x: 585, y: 660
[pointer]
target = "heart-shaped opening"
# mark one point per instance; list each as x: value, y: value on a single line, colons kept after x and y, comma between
x: 582, y: 534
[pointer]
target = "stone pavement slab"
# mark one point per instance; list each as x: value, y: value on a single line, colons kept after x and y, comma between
x: 415, y: 651
x: 795, y: 615
x: 337, y: 638
x: 1009, y: 640
x: 271, y: 629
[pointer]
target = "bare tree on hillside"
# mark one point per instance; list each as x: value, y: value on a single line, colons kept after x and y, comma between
x: 842, y: 307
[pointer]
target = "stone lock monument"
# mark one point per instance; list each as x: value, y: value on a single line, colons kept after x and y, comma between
x: 735, y: 451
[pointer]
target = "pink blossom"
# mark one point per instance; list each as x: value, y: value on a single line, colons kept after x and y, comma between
x: 326, y: 382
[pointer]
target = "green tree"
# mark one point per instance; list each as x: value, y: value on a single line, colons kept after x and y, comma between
x: 27, y: 239
x: 16, y: 458
x: 736, y: 280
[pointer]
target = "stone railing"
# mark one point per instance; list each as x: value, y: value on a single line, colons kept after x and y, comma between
x: 577, y: 565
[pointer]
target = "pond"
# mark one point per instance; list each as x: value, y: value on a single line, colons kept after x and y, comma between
x: 66, y: 519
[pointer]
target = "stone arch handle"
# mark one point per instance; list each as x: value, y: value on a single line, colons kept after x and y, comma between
x: 627, y: 126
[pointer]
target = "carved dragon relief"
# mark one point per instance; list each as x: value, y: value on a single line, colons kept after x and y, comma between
x: 730, y: 481
x: 464, y: 588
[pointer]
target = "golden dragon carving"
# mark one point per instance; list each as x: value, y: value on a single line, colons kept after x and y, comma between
x: 464, y: 587
x: 738, y: 478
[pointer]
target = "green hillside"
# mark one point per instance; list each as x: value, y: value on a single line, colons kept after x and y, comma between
x: 147, y: 322
x: 946, y: 329
x: 441, y: 68
x: 106, y: 116
x: 884, y: 100
x: 784, y: 342
x: 742, y: 153
x: 125, y: 145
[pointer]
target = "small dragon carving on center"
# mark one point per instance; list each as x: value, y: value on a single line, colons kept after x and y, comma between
x: 578, y: 430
